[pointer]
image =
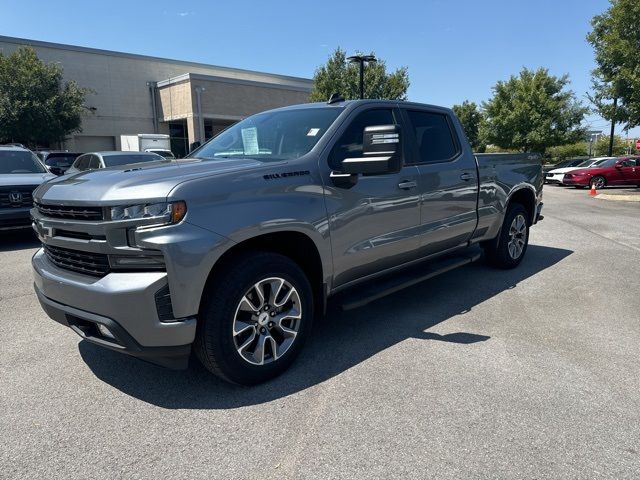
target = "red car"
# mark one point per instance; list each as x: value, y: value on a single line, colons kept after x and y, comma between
x: 617, y: 171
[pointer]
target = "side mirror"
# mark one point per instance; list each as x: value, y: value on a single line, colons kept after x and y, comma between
x: 619, y: 165
x: 381, y: 152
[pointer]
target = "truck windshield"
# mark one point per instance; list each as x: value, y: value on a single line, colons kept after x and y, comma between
x: 270, y: 136
x: 20, y: 161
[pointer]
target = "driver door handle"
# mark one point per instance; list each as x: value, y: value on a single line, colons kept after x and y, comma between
x: 407, y: 185
x: 466, y: 176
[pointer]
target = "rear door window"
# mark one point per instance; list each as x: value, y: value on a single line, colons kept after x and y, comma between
x: 435, y: 139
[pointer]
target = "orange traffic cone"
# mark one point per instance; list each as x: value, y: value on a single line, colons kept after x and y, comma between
x: 593, y: 192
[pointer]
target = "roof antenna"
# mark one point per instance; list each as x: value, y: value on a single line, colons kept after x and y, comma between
x: 335, y: 98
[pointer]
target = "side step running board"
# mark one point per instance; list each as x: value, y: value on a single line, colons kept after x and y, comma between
x: 361, y: 295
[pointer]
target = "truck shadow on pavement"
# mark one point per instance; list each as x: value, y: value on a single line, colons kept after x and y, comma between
x: 339, y: 342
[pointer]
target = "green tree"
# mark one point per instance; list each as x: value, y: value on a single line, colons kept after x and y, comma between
x: 472, y: 120
x: 35, y: 105
x: 601, y: 146
x: 339, y: 76
x: 616, y: 40
x: 532, y: 112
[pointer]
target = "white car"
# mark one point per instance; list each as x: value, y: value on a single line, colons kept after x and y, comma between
x: 557, y: 175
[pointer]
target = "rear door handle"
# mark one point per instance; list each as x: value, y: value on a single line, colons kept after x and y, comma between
x: 466, y: 177
x: 407, y: 185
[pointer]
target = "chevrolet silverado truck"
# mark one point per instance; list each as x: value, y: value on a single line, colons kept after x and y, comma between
x: 233, y: 251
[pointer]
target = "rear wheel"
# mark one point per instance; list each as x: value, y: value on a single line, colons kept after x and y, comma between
x: 598, y: 182
x: 508, y: 250
x: 255, y: 319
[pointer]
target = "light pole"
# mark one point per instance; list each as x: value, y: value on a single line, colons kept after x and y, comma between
x: 361, y: 59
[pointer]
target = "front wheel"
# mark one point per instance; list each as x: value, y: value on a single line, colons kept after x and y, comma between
x: 255, y: 318
x: 598, y: 182
x: 508, y: 250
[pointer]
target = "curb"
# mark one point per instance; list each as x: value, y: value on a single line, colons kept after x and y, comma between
x: 619, y: 198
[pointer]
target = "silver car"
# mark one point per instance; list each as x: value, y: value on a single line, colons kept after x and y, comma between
x: 96, y: 160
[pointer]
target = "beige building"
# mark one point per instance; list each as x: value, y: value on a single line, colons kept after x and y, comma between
x: 139, y: 94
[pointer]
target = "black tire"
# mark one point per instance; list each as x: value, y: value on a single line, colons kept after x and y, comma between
x: 497, y: 251
x: 214, y: 343
x: 596, y: 179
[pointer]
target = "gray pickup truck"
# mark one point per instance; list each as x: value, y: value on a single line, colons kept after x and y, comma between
x: 234, y: 250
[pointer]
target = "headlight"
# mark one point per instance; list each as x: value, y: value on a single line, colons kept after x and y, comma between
x: 165, y: 213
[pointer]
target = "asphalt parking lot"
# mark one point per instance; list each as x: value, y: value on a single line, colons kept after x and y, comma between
x: 479, y: 373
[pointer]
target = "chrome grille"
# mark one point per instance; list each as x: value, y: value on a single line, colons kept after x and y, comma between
x: 71, y: 213
x: 96, y: 264
x: 18, y: 196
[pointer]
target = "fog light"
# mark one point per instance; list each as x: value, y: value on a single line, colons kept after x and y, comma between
x: 104, y: 331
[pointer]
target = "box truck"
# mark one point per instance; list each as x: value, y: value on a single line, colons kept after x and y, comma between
x: 147, y: 142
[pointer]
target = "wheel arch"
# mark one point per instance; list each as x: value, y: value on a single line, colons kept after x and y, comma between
x: 525, y: 195
x: 296, y: 245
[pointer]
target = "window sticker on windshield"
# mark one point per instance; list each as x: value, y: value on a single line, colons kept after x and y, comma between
x: 250, y: 141
x: 313, y: 132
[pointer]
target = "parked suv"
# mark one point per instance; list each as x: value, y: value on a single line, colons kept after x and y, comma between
x: 234, y: 250
x: 20, y: 174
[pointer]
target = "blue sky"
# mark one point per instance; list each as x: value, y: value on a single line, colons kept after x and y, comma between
x: 454, y: 50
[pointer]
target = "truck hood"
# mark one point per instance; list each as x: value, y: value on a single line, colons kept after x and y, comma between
x: 18, y: 179
x: 130, y: 183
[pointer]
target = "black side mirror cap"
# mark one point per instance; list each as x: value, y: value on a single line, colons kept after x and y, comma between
x: 381, y: 152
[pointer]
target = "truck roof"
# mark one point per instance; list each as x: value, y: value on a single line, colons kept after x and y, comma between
x: 347, y: 104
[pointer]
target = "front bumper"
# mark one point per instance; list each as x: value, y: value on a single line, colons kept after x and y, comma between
x: 125, y: 303
x: 15, y: 218
x: 554, y: 179
x: 576, y: 181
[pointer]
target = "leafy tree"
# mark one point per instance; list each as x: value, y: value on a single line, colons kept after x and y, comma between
x: 339, y: 76
x: 496, y: 149
x: 472, y: 120
x: 616, y: 40
x: 35, y: 105
x: 532, y: 112
x: 572, y: 150
x: 601, y: 146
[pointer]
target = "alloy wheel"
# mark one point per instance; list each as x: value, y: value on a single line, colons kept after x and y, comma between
x: 517, y: 236
x: 267, y: 321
